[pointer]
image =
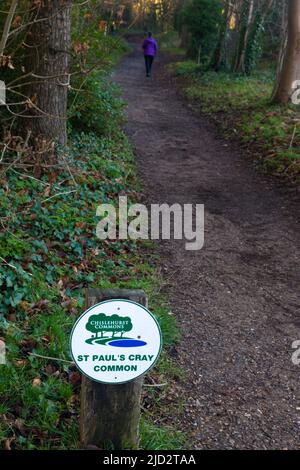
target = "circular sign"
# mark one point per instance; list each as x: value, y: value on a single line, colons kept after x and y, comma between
x: 115, y: 341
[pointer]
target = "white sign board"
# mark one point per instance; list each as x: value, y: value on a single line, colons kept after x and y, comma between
x: 115, y: 341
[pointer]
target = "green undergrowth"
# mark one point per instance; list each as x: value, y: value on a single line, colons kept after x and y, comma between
x: 241, y: 104
x: 170, y: 42
x: 160, y: 437
x: 49, y: 255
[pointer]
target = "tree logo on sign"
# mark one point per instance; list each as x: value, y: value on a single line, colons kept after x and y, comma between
x: 110, y: 330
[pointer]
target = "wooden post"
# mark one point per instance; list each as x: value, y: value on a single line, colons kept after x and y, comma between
x: 110, y: 414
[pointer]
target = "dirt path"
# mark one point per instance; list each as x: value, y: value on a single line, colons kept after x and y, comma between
x: 235, y: 300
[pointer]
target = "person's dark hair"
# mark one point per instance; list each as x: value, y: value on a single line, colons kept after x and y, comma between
x: 149, y: 34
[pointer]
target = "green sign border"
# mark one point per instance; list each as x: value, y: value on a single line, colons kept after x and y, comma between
x: 105, y: 302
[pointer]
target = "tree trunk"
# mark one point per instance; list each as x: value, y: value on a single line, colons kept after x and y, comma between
x: 283, y: 44
x: 48, y: 62
x: 251, y: 54
x: 218, y: 54
x: 7, y: 26
x: 244, y: 34
x: 185, y: 37
x: 290, y: 71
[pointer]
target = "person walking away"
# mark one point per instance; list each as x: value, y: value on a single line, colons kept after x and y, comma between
x: 150, y: 51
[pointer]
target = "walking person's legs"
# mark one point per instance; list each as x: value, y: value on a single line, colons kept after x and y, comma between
x: 148, y: 61
x: 151, y: 58
x: 147, y: 65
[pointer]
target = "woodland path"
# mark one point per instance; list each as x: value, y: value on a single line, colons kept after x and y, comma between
x: 236, y: 300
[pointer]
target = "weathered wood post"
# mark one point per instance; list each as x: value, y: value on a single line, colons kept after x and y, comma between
x: 110, y: 414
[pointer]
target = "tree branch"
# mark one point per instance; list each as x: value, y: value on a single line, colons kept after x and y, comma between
x: 7, y: 26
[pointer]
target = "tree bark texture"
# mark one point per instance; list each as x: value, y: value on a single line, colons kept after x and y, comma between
x: 48, y: 62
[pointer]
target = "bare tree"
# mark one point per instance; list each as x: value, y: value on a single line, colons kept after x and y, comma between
x: 252, y: 15
x: 248, y: 11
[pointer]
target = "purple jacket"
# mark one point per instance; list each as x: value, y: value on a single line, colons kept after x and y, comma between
x: 150, y: 47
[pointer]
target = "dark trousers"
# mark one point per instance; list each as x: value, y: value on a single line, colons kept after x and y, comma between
x: 148, y: 61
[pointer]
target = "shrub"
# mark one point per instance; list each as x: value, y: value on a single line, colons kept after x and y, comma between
x: 97, y: 106
x: 201, y: 18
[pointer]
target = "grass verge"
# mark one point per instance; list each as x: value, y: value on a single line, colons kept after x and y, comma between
x: 241, y: 105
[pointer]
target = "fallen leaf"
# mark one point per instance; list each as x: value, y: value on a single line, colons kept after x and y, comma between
x: 36, y: 382
x: 17, y: 21
x: 7, y: 443
x: 24, y: 305
x: 19, y: 424
x: 45, y: 338
x: 74, y: 378
x: 50, y: 369
x: 37, y: 306
x: 20, y: 362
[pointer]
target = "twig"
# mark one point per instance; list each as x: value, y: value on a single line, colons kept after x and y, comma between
x: 155, y: 385
x: 51, y: 358
x: 12, y: 266
x: 69, y: 169
x: 7, y: 25
x: 293, y: 136
x: 8, y: 264
x: 27, y: 139
x: 3, y: 152
x: 59, y: 194
x: 30, y: 177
